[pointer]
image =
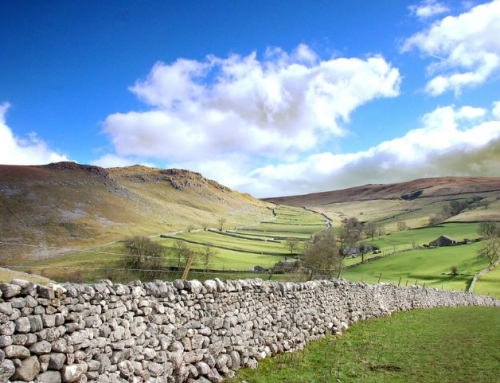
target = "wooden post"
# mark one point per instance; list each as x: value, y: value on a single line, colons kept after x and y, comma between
x: 407, y: 283
x: 362, y: 277
x: 188, y: 266
x: 399, y: 281
x: 379, y: 277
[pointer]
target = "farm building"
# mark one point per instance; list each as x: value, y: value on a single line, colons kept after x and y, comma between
x: 443, y: 240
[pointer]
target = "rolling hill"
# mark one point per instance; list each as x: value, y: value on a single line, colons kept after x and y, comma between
x: 52, y: 209
x: 414, y: 201
x: 58, y: 208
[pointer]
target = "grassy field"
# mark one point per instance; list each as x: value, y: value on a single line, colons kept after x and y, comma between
x: 489, y: 284
x: 263, y: 244
x: 409, y: 239
x: 445, y: 345
x: 429, y: 266
x: 234, y: 254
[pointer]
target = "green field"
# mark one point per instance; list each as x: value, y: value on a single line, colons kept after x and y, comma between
x: 445, y: 345
x: 235, y: 253
x: 489, y: 284
x: 429, y: 266
x: 409, y: 239
x: 404, y: 260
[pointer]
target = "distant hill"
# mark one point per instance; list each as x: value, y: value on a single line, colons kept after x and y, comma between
x: 52, y: 209
x: 414, y: 201
x: 420, y: 188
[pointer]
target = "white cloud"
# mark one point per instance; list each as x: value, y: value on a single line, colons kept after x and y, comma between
x: 467, y: 45
x: 114, y: 161
x: 428, y: 9
x: 452, y: 141
x: 19, y: 151
x: 279, y: 107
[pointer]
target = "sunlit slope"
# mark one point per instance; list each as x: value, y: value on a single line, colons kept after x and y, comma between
x: 413, y: 202
x: 48, y: 210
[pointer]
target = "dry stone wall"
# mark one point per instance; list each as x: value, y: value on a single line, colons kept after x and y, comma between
x: 184, y: 331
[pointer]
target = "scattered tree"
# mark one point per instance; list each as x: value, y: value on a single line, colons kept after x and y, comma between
x: 436, y: 219
x: 206, y: 255
x: 292, y: 244
x: 322, y: 255
x: 349, y: 234
x: 363, y: 249
x: 221, y: 221
x: 488, y: 228
x: 144, y: 254
x: 182, y: 252
x: 490, y: 249
x: 402, y: 226
x: 380, y: 230
x: 371, y: 229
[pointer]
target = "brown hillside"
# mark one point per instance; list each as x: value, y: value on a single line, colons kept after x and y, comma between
x: 420, y: 188
x: 52, y: 209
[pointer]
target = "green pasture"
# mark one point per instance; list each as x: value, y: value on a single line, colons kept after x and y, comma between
x: 443, y: 345
x: 409, y: 239
x: 299, y: 217
x: 233, y: 242
x: 489, y: 284
x: 429, y: 266
x: 284, y: 229
x: 88, y: 265
x: 226, y: 259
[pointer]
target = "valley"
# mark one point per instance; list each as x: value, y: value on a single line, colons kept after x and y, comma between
x: 68, y: 222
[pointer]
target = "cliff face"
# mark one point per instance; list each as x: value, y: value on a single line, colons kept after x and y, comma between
x: 52, y: 209
x: 185, y: 330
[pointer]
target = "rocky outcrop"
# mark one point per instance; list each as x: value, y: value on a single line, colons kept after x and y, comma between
x: 185, y: 330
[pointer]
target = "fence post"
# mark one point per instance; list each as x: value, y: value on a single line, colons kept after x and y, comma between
x: 379, y: 277
x: 362, y: 277
x: 399, y: 281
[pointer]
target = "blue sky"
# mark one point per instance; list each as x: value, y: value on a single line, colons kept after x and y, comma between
x: 267, y: 97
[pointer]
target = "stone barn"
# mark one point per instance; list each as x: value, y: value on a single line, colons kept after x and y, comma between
x: 443, y: 240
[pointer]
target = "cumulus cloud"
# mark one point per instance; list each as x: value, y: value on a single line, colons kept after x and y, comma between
x: 277, y: 107
x: 21, y: 151
x: 467, y: 46
x: 428, y: 9
x: 452, y: 141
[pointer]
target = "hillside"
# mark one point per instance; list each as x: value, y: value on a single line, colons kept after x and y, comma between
x: 414, y: 201
x: 52, y: 209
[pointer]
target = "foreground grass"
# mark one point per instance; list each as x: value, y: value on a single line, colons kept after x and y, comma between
x: 439, y: 345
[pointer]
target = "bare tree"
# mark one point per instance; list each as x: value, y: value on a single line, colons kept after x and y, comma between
x: 292, y: 244
x: 206, y: 255
x: 182, y: 253
x: 370, y: 229
x: 349, y: 234
x: 322, y: 255
x: 144, y: 254
x: 402, y: 226
x: 363, y: 249
x: 488, y: 228
x: 221, y: 221
x: 490, y: 249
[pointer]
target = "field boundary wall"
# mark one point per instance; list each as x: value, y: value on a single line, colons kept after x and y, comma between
x: 183, y: 331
